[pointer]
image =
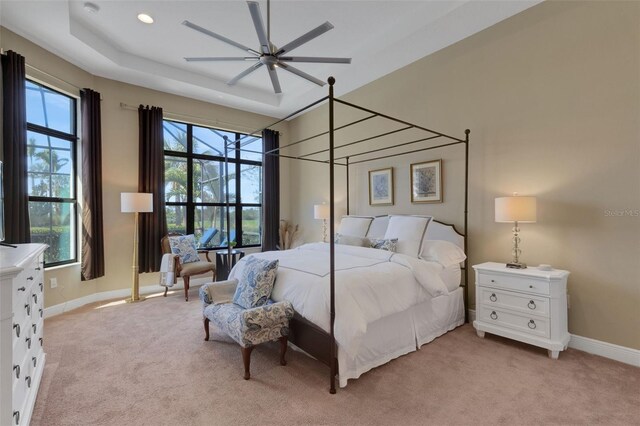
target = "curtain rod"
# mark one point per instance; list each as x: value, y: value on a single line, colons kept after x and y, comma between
x: 203, y: 120
x: 53, y: 76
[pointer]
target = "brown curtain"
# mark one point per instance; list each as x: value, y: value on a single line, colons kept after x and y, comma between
x: 153, y: 226
x: 14, y: 134
x: 92, y: 227
x: 270, y: 190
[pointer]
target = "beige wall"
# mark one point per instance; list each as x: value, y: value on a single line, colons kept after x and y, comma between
x: 120, y: 159
x: 552, y: 97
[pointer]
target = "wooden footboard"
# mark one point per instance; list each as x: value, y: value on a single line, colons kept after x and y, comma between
x: 311, y: 339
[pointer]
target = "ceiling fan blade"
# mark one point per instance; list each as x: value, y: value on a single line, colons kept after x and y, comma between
x: 244, y: 73
x: 315, y: 59
x: 219, y: 59
x: 254, y: 8
x: 219, y: 37
x: 302, y: 74
x: 306, y: 37
x: 274, y: 78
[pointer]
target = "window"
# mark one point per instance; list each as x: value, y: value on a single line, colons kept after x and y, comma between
x: 51, y: 167
x: 195, y: 184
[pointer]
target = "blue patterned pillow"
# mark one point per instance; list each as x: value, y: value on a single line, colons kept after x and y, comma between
x: 185, y: 247
x: 255, y: 282
x: 382, y: 244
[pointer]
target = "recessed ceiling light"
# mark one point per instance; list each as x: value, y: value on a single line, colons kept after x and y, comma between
x: 143, y: 17
x: 91, y: 7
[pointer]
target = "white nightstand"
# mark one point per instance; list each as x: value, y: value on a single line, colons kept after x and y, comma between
x: 528, y: 305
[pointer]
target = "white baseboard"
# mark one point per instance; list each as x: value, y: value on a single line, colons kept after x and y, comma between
x: 116, y: 294
x: 596, y: 347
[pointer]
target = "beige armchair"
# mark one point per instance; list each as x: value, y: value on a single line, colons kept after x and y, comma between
x: 187, y: 270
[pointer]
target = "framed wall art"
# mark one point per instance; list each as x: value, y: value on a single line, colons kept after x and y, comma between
x: 426, y: 182
x: 381, y: 187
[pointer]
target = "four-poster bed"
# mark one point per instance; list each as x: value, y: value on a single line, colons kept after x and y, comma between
x: 318, y: 338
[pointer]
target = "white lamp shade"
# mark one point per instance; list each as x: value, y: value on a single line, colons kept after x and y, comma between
x: 136, y: 202
x: 321, y: 211
x: 516, y: 209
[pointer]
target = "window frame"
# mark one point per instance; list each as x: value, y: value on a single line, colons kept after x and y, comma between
x: 235, y: 162
x: 73, y: 139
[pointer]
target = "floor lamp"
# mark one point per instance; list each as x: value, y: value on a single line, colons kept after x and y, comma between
x: 135, y: 202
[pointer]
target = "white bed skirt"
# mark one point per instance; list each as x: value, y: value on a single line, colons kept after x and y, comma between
x: 403, y: 332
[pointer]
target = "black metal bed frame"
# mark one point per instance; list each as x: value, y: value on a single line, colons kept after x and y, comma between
x: 304, y: 334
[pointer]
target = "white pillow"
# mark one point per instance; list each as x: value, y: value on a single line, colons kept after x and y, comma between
x: 378, y: 227
x: 444, y: 252
x: 356, y: 226
x: 350, y: 240
x: 409, y: 230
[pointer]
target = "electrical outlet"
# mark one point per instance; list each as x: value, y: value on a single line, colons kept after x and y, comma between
x: 53, y: 282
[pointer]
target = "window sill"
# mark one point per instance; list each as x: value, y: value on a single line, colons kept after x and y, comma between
x: 67, y: 265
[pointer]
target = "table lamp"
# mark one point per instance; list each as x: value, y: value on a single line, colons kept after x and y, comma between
x: 321, y: 211
x: 135, y: 202
x: 517, y: 210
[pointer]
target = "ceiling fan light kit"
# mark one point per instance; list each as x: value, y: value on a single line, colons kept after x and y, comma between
x: 268, y: 54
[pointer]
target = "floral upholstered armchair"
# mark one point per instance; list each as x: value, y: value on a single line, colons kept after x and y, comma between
x: 242, y: 309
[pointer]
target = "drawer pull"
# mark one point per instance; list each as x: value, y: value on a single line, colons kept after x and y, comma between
x: 493, y: 281
x: 41, y: 287
x: 532, y: 324
x: 29, y: 278
x: 35, y: 298
x: 494, y: 315
x: 40, y: 312
x: 38, y: 268
x: 28, y: 308
x: 28, y: 380
x: 16, y: 415
x: 23, y: 288
x: 16, y: 368
x: 530, y: 286
x: 28, y: 340
x: 35, y: 327
x: 493, y: 297
x: 34, y: 359
x: 532, y: 304
x: 16, y: 327
x: 41, y: 341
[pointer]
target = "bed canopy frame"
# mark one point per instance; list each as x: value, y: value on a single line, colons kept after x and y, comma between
x: 305, y: 334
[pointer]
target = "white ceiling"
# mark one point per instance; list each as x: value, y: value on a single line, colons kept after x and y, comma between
x: 380, y: 36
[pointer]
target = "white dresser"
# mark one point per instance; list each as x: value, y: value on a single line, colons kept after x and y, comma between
x: 528, y: 305
x: 21, y: 323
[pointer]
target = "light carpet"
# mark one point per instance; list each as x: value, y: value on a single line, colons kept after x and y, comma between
x: 147, y: 364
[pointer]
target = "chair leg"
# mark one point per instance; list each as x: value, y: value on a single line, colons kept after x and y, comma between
x: 246, y: 359
x: 165, y: 291
x: 283, y: 350
x: 206, y: 329
x: 186, y: 288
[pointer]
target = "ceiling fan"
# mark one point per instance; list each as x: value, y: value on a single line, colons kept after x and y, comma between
x: 268, y: 54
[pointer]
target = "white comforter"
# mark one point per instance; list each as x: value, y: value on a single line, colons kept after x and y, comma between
x: 370, y: 284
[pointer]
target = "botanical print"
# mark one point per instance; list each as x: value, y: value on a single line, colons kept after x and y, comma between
x: 426, y: 182
x: 381, y: 187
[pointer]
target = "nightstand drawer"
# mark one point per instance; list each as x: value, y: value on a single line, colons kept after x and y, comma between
x: 514, y: 283
x: 525, y: 324
x: 525, y: 304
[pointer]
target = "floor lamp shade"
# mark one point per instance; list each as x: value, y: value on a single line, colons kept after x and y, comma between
x: 136, y: 202
x: 516, y: 209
